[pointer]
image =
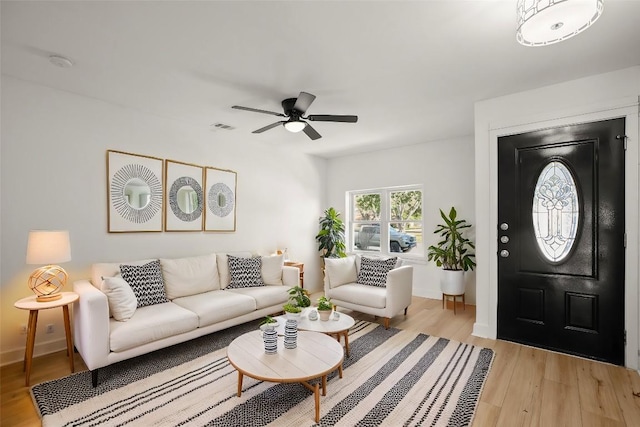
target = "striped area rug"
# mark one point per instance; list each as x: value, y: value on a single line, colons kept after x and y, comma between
x: 392, y: 378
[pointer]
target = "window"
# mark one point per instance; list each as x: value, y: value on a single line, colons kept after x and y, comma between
x: 386, y: 220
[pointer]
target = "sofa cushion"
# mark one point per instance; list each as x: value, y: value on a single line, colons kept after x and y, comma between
x: 190, y: 276
x: 272, y: 269
x: 110, y: 269
x: 340, y: 271
x: 223, y: 266
x: 265, y: 296
x: 149, y: 324
x: 146, y: 282
x: 245, y: 272
x: 122, y: 301
x: 217, y: 306
x: 359, y: 257
x: 373, y: 272
x: 368, y: 296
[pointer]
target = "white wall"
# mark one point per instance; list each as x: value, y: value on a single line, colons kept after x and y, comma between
x: 54, y: 177
x: 446, y: 171
x: 588, y: 99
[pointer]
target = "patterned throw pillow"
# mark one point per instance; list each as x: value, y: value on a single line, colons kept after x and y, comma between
x: 146, y: 282
x: 245, y: 272
x: 373, y: 272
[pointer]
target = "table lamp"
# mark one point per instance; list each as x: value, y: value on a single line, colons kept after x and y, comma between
x: 50, y: 248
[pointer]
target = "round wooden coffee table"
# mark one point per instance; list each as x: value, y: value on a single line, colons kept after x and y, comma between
x: 315, y: 356
x: 338, y: 328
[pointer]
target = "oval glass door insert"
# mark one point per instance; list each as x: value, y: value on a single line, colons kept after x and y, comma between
x: 555, y: 211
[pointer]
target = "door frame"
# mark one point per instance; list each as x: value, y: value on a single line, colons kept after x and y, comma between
x: 487, y: 315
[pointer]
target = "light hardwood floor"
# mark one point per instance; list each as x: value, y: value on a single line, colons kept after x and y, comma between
x: 526, y: 386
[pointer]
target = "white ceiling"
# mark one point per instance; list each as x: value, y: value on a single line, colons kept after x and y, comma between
x: 411, y: 71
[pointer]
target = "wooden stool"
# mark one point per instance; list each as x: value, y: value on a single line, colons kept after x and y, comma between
x: 445, y: 297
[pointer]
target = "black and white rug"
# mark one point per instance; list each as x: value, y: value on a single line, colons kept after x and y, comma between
x: 392, y: 377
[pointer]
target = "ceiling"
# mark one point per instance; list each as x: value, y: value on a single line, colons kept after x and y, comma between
x: 411, y: 71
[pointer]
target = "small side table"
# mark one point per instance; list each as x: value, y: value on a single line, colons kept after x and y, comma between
x: 30, y: 303
x: 300, y: 267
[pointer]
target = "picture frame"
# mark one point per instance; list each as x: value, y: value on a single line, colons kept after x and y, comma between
x: 220, y: 199
x: 134, y: 192
x: 184, y: 196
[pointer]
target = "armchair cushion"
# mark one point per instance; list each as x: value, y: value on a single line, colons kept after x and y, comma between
x: 245, y: 272
x: 373, y: 272
x: 362, y: 295
x: 146, y: 282
x: 340, y: 271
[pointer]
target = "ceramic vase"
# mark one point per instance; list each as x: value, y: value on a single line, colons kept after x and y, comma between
x: 270, y: 337
x: 324, y: 314
x: 291, y: 334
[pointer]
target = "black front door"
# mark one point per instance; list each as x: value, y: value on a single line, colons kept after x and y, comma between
x: 561, y: 239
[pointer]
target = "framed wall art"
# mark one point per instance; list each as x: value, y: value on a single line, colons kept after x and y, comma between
x: 220, y: 200
x: 184, y: 197
x: 134, y: 192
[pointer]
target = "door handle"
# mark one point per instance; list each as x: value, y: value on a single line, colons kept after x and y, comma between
x: 504, y: 253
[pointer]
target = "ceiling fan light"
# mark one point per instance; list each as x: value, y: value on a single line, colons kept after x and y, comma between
x: 295, y: 126
x: 545, y: 22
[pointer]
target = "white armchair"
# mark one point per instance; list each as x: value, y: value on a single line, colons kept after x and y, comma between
x: 387, y: 291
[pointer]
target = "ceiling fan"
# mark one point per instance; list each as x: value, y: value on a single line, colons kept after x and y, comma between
x: 294, y: 112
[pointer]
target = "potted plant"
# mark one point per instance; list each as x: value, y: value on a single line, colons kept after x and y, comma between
x: 300, y: 296
x: 324, y: 307
x: 292, y: 311
x: 331, y: 235
x: 268, y: 323
x: 452, y: 252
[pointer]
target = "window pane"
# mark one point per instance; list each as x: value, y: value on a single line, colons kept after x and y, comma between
x: 406, y: 205
x: 402, y: 236
x: 555, y: 211
x: 366, y: 237
x: 366, y: 207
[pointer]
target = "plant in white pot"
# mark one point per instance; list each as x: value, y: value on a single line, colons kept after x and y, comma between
x: 325, y: 306
x: 452, y: 253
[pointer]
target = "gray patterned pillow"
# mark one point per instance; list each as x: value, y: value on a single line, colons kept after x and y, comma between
x: 146, y: 282
x: 245, y: 272
x: 373, y: 272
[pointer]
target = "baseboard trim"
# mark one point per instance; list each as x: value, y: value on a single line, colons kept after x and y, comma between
x: 17, y: 355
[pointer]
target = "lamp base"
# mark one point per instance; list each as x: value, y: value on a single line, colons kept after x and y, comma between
x: 48, y: 298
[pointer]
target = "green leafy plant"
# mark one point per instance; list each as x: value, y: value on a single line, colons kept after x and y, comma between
x: 331, y: 235
x: 452, y: 252
x: 267, y: 320
x: 291, y: 308
x: 324, y: 304
x: 299, y: 296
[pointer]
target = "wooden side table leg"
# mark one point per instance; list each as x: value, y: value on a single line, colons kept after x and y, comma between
x: 454, y: 304
x: 316, y: 393
x: 464, y: 305
x: 67, y: 331
x: 239, y: 383
x: 31, y: 339
x: 443, y: 301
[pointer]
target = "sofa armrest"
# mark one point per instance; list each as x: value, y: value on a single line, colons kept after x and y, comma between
x: 399, y: 289
x: 290, y: 276
x: 91, y: 324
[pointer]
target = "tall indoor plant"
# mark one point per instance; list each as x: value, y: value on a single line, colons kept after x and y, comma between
x: 452, y: 253
x: 331, y: 235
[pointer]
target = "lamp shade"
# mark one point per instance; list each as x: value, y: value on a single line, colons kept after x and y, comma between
x: 48, y: 247
x: 545, y: 22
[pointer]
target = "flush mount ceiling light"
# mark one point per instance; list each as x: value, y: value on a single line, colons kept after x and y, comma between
x: 294, y: 125
x: 545, y: 22
x: 60, y: 61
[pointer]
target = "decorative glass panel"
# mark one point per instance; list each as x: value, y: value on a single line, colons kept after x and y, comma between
x: 555, y: 211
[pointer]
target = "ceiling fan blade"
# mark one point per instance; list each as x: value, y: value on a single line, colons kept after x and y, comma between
x: 256, y: 110
x: 303, y: 102
x: 331, y: 118
x: 311, y: 132
x: 271, y: 126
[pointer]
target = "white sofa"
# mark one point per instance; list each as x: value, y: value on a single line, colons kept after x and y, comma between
x: 380, y: 286
x: 199, y: 301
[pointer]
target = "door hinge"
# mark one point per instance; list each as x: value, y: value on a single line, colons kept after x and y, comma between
x: 625, y: 239
x: 624, y: 140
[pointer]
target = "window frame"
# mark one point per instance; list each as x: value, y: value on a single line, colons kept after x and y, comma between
x: 384, y: 221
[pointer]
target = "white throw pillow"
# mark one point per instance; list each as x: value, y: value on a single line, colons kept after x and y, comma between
x: 189, y: 276
x: 272, y: 269
x: 223, y: 266
x: 122, y: 300
x: 340, y: 271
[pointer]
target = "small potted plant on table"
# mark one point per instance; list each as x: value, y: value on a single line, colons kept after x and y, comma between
x: 324, y: 307
x: 268, y: 323
x: 299, y: 296
x: 292, y: 311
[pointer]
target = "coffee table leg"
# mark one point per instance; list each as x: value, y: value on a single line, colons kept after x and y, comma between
x: 340, y: 370
x: 239, y: 383
x: 316, y: 392
x: 324, y: 385
x: 346, y: 342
